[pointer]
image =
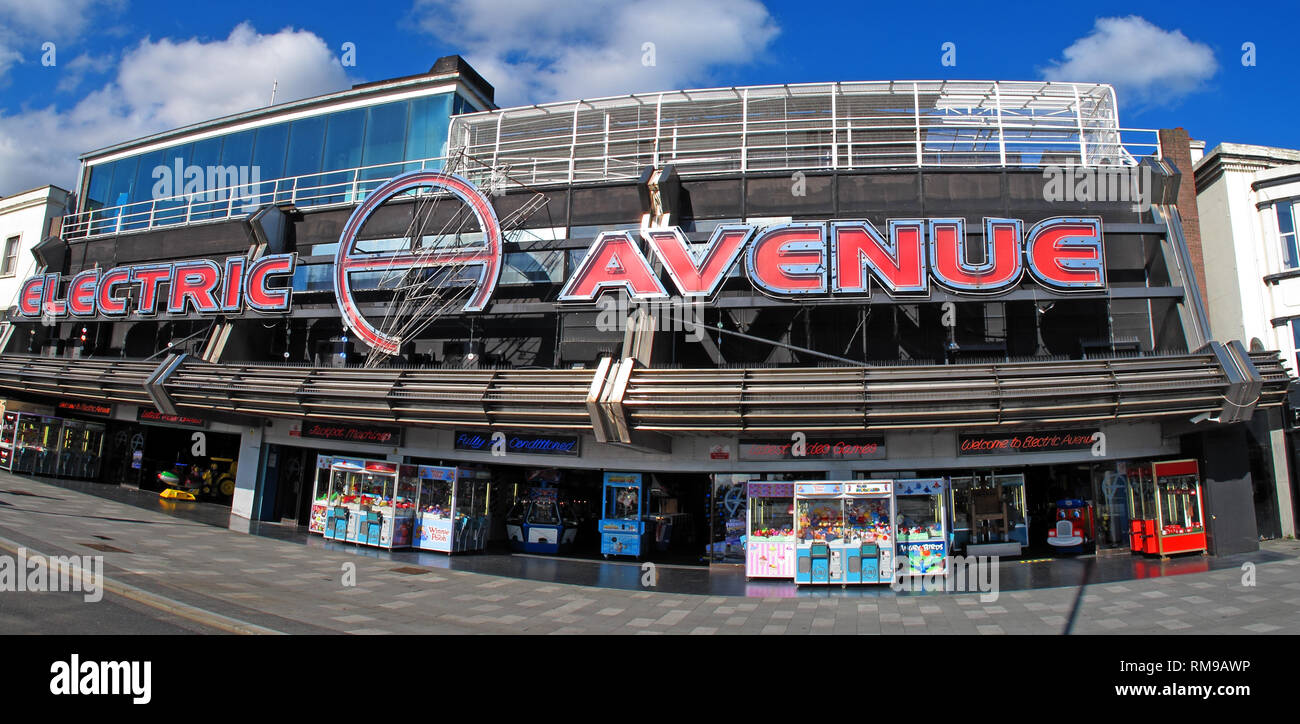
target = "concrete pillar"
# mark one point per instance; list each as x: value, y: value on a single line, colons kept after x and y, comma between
x: 243, y: 504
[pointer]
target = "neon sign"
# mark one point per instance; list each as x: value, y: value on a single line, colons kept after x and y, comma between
x: 200, y: 285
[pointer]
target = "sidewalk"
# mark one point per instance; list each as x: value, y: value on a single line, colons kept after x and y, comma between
x: 254, y: 584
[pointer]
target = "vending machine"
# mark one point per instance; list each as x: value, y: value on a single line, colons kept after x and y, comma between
x: 923, y: 526
x: 622, y: 532
x: 844, y: 532
x: 1168, y: 516
x: 769, y: 537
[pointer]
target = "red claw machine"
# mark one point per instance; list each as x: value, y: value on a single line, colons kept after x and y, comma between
x: 1168, y: 516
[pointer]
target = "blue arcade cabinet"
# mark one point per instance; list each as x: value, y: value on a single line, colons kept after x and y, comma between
x: 622, y: 532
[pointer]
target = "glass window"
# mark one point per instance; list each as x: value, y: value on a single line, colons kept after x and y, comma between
x: 343, y: 135
x: 173, y: 211
x: 270, y: 145
x: 385, y: 138
x: 9, y: 265
x: 206, y: 157
x: 1286, y: 229
x: 306, y: 144
x: 426, y: 133
x: 119, y: 190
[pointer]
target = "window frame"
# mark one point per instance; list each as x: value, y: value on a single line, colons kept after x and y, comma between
x: 17, y: 240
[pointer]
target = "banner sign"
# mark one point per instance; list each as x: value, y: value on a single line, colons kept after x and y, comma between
x: 866, y: 447
x: 1026, y: 442
x: 519, y: 443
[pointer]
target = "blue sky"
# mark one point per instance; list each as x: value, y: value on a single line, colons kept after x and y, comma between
x: 126, y: 68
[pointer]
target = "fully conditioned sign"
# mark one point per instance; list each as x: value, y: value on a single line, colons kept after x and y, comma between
x: 868, y: 447
x: 1027, y: 442
x: 200, y: 285
x: 517, y: 443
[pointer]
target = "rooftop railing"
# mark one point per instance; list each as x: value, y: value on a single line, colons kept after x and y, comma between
x: 787, y: 128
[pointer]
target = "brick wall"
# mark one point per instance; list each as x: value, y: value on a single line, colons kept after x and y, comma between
x: 1176, y: 149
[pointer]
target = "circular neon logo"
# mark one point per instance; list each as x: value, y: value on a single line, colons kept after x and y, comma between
x: 348, y: 260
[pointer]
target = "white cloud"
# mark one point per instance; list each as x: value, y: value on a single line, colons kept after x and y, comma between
x: 160, y: 85
x: 1144, y: 62
x: 551, y: 50
x: 51, y: 19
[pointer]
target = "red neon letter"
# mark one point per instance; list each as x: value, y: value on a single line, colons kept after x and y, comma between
x: 1067, y: 254
x: 1002, y: 263
x: 194, y: 281
x: 613, y: 261
x: 29, y: 298
x: 107, y: 303
x: 262, y: 298
x: 858, y: 249
x: 698, y: 269
x: 789, y: 259
x: 81, y: 293
x: 150, y: 277
x: 49, y: 304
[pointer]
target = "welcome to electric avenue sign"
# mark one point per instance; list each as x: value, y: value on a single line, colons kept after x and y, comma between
x: 790, y: 261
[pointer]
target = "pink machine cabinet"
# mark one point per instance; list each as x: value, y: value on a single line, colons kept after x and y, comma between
x: 769, y: 543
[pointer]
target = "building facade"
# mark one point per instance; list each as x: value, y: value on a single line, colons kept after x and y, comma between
x: 704, y: 289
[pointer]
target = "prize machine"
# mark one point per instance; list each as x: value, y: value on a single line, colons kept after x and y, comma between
x: 622, y: 532
x: 36, y: 444
x: 80, y: 445
x: 320, y: 492
x: 1075, y: 529
x: 453, y: 505
x: 1167, y: 511
x: 7, y: 431
x: 540, y: 522
x: 769, y: 539
x: 843, y: 532
x: 922, y: 506
x: 371, y: 504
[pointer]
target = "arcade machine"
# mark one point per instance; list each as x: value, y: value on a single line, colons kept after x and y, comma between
x: 540, y: 522
x: 320, y: 493
x: 622, y: 532
x: 364, y: 503
x: 922, y: 526
x: 453, y: 505
x: 80, y: 445
x: 7, y: 431
x: 843, y: 532
x: 1075, y: 528
x: 1167, y: 511
x: 769, y: 539
x: 869, y: 506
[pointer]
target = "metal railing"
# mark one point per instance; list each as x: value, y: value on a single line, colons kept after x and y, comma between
x: 886, y: 124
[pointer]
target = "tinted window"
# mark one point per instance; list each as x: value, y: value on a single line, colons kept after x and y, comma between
x: 237, y: 149
x: 269, y: 148
x: 306, y: 140
x: 427, y: 131
x: 343, y: 139
x: 385, y: 134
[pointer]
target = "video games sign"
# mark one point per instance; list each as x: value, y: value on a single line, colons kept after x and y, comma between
x: 865, y: 447
x: 92, y: 409
x: 1025, y: 442
x: 154, y: 417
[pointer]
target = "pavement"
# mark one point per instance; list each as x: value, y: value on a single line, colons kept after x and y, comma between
x: 203, y: 577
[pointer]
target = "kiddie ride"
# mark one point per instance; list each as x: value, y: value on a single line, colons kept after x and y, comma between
x: 190, y: 482
x: 1075, y: 528
x: 844, y: 532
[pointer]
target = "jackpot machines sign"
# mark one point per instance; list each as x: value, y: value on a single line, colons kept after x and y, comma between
x: 789, y: 261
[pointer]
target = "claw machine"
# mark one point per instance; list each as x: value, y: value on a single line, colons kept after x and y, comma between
x: 453, y: 509
x: 370, y: 503
x: 869, y: 509
x: 1168, y: 515
x: 843, y: 532
x: 769, y: 539
x: 471, y: 525
x: 622, y: 532
x: 922, y: 509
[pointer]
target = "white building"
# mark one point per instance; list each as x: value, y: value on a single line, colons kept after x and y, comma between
x: 1249, y: 203
x: 25, y: 219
